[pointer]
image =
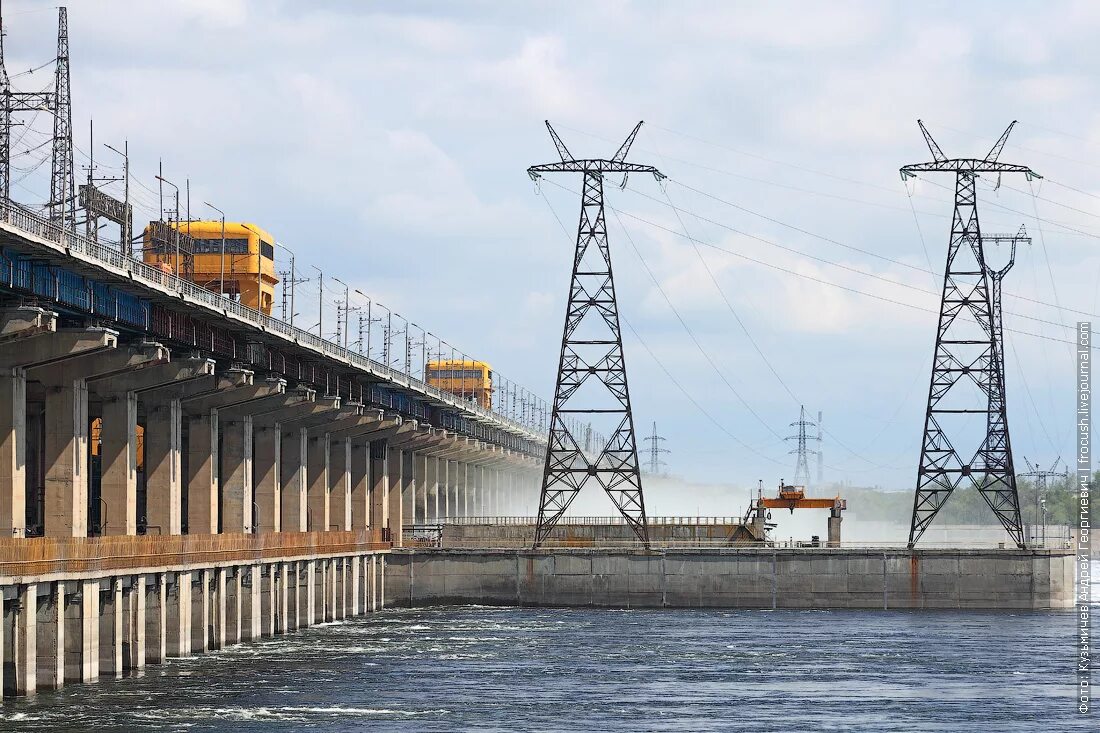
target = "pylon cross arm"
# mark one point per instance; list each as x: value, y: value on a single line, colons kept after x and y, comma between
x: 966, y: 165
x: 593, y: 165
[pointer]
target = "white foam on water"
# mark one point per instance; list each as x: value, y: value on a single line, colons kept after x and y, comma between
x: 363, y: 711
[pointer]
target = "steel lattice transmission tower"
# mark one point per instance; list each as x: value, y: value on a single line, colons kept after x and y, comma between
x: 592, y: 360
x: 968, y: 359
x: 655, y: 450
x: 62, y: 203
x: 802, y: 451
x: 1041, y: 476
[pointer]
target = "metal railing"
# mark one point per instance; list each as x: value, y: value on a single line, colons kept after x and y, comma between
x: 568, y: 520
x: 38, y: 226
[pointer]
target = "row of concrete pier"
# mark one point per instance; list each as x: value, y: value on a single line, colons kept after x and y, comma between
x: 157, y: 504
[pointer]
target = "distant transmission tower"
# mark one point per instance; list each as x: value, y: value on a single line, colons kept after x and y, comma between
x: 968, y: 355
x: 1041, y: 475
x: 655, y: 451
x: 802, y: 451
x: 591, y: 352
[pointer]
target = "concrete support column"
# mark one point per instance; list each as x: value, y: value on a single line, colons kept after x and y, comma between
x: 202, y: 610
x: 13, y: 454
x: 311, y: 593
x: 433, y: 488
x: 118, y: 452
x: 420, y: 480
x: 461, y: 490
x: 834, y: 528
x: 356, y: 580
x: 25, y: 648
x: 379, y: 493
x: 292, y: 472
x: 50, y: 641
x: 202, y: 474
x: 448, y: 479
x: 179, y: 617
x: 339, y: 477
x: 359, y: 483
x: 66, y: 452
x: 163, y: 467
x: 253, y: 598
x: 156, y: 619
x: 287, y: 619
x: 236, y: 475
x: 317, y: 482
x: 395, y: 466
x: 134, y: 625
x: 373, y: 576
x: 90, y: 630
x: 110, y: 629
x: 332, y: 590
x: 268, y: 488
x: 219, y: 609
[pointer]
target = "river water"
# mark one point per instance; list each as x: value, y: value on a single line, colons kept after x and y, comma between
x: 511, y: 669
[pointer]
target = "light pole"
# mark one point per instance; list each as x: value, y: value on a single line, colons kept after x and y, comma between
x: 221, y: 284
x: 162, y: 179
x: 293, y: 281
x: 347, y: 310
x: 127, y: 228
x: 320, y: 301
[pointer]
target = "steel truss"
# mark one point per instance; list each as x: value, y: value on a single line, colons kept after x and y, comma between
x: 592, y: 353
x: 968, y: 351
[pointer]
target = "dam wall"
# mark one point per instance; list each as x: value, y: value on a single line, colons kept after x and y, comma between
x: 823, y: 578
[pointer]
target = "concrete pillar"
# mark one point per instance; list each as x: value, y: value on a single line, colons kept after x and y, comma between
x: 292, y: 473
x: 462, y: 490
x: 268, y: 489
x: 373, y: 577
x: 179, y: 617
x: 134, y: 625
x: 118, y: 453
x: 110, y: 629
x: 221, y: 609
x: 448, y: 479
x: 156, y: 619
x: 432, y: 479
x: 202, y: 473
x: 287, y: 596
x: 397, y: 482
x: 359, y: 484
x: 420, y: 479
x: 379, y: 493
x: 66, y: 452
x: 203, y: 608
x: 317, y: 457
x: 339, y: 477
x: 13, y: 453
x: 310, y: 593
x: 50, y: 642
x: 834, y: 528
x: 25, y: 640
x: 87, y: 637
x: 356, y: 580
x: 236, y: 474
x: 163, y: 467
x: 253, y: 597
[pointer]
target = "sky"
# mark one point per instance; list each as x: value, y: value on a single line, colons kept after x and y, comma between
x: 782, y: 263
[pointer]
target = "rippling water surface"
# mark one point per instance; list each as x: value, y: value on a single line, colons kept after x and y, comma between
x: 491, y: 669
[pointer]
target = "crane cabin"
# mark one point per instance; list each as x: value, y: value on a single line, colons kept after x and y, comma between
x: 242, y: 265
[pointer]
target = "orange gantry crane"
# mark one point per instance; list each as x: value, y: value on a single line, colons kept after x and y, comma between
x: 794, y: 497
